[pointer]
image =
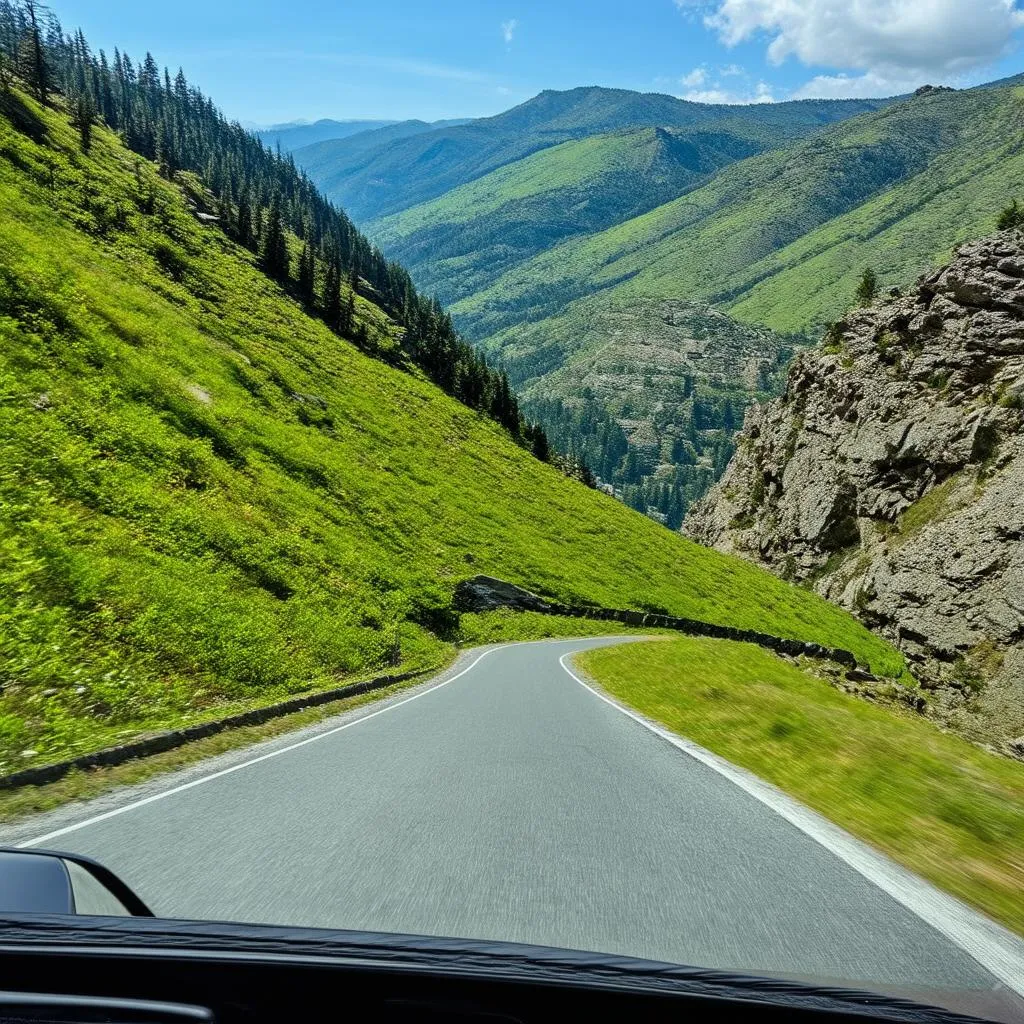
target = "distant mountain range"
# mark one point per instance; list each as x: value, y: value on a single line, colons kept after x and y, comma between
x: 296, y: 134
x: 397, y: 174
x: 546, y: 225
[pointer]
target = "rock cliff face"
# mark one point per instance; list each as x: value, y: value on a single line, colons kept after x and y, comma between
x: 890, y: 477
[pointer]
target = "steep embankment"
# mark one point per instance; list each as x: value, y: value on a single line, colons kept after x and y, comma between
x: 206, y: 496
x: 890, y: 477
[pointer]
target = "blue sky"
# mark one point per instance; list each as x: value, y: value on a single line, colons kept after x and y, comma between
x: 272, y: 61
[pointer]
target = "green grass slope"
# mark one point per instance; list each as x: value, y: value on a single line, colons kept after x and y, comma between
x: 206, y: 497
x: 399, y: 174
x: 901, y: 234
x: 774, y: 213
x: 461, y: 242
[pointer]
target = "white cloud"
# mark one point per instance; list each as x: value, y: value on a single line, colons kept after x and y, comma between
x: 891, y: 44
x: 705, y: 85
x: 695, y: 79
x: 508, y: 29
x: 762, y: 93
x: 843, y: 87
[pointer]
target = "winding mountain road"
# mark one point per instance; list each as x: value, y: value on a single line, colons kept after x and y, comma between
x: 509, y: 801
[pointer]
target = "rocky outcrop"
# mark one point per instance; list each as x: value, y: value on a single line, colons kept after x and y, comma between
x: 669, y: 374
x: 890, y: 477
x: 486, y: 594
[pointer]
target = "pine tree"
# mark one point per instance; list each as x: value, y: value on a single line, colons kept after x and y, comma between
x: 274, y: 253
x: 332, y: 295
x: 181, y: 90
x: 84, y: 114
x: 539, y: 443
x: 867, y: 288
x: 504, y: 407
x: 243, y: 228
x: 348, y: 317
x: 149, y: 76
x: 307, y: 275
x: 105, y: 93
x: 34, y: 66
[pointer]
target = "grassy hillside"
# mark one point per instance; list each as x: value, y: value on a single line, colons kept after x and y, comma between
x: 399, y: 174
x: 458, y: 244
x: 207, y: 497
x: 902, y: 233
x: 720, y: 241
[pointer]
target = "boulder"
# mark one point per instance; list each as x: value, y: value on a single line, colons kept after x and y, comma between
x: 486, y: 593
x: 859, y: 675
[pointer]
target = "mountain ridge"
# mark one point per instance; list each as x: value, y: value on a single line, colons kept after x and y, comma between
x: 778, y: 239
x: 418, y: 169
x: 467, y: 238
x: 652, y: 253
x: 291, y: 135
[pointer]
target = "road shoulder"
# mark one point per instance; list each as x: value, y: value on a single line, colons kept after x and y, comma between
x: 997, y: 948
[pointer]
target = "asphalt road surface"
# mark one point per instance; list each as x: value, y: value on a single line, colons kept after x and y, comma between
x: 513, y: 803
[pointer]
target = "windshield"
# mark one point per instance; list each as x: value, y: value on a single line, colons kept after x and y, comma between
x: 547, y: 474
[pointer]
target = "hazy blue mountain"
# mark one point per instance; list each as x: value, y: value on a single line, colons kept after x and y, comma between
x: 295, y: 134
x: 351, y: 148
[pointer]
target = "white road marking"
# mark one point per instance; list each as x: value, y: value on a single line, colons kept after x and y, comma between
x: 56, y: 834
x: 998, y: 950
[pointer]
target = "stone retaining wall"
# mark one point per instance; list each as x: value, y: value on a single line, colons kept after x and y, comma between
x: 485, y: 593
x: 179, y: 737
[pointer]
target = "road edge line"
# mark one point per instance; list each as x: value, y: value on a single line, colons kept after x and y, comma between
x: 114, y: 812
x: 997, y: 949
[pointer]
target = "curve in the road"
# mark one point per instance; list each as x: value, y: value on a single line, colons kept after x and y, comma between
x: 507, y: 802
